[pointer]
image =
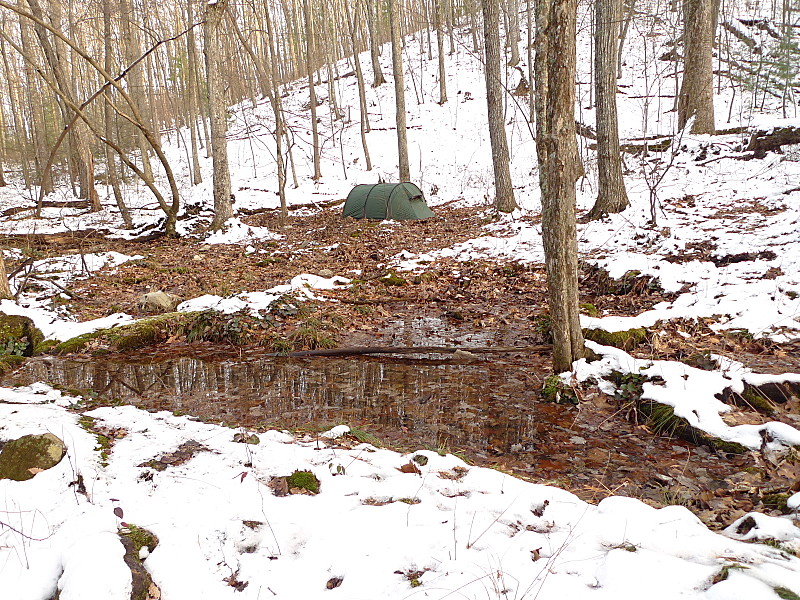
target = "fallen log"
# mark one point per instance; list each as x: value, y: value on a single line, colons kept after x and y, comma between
x: 771, y: 140
x: 463, y: 352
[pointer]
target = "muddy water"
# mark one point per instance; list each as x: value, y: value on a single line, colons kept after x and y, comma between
x: 490, y: 411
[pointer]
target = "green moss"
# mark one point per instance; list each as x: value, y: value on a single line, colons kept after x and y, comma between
x: 625, y: 340
x: 663, y: 420
x: 420, y: 459
x: 777, y: 501
x: 22, y: 458
x: 726, y: 447
x: 725, y: 572
x: 78, y: 343
x: 18, y: 335
x: 147, y: 332
x: 365, y: 437
x: 103, y: 441
x: 141, y: 537
x: 392, y: 279
x: 303, y: 480
x: 555, y: 390
x: 132, y: 336
x: 786, y: 593
x: 755, y: 399
x: 9, y: 361
x: 44, y: 347
x: 589, y: 309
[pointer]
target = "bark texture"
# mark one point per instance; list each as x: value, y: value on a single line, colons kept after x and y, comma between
x: 696, y: 98
x: 223, y: 209
x: 399, y: 94
x: 504, y: 190
x: 557, y: 151
x: 611, y: 194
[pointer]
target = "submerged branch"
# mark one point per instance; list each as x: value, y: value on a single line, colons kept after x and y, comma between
x: 464, y: 352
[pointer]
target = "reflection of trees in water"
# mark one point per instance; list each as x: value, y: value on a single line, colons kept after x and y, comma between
x: 429, y: 403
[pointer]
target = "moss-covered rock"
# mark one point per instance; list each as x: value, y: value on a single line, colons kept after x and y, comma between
x: 9, y: 361
x: 301, y: 481
x: 22, y: 458
x: 132, y: 336
x: 624, y: 340
x: 18, y: 335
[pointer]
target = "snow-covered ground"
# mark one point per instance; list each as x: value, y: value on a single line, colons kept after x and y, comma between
x: 475, y: 533
x: 442, y: 530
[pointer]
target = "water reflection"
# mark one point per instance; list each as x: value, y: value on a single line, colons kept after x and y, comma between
x: 424, y: 403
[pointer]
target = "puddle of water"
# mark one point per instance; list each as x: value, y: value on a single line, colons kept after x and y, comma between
x: 419, y: 403
x: 488, y: 410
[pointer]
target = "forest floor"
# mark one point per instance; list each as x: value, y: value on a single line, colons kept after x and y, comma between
x: 465, y: 304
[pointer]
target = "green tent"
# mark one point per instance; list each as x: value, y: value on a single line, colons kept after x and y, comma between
x: 399, y: 201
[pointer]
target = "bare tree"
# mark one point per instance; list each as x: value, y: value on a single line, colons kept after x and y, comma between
x: 557, y: 150
x: 374, y: 44
x: 81, y: 157
x: 223, y: 209
x: 312, y: 94
x: 611, y: 194
x: 439, y: 15
x: 108, y: 118
x: 399, y: 93
x: 696, y: 98
x: 504, y: 190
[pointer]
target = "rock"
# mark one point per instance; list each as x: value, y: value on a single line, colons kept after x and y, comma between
x: 23, y: 458
x: 244, y: 438
x: 325, y: 273
x: 18, y: 335
x: 158, y: 302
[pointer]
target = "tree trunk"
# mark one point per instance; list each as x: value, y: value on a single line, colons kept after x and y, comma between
x: 5, y: 289
x: 277, y: 109
x: 82, y: 159
x: 223, y: 209
x: 440, y: 47
x: 696, y: 97
x: 135, y: 78
x: 362, y: 95
x: 512, y: 33
x: 374, y: 45
x: 36, y: 122
x: 557, y: 150
x: 504, y: 190
x: 312, y: 94
x: 631, y: 10
x: 399, y: 94
x: 611, y: 194
x: 111, y: 167
x: 21, y: 139
x: 191, y: 95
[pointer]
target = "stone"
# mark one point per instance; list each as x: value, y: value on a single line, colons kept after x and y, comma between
x: 23, y: 458
x: 159, y: 301
x: 18, y: 335
x: 325, y: 273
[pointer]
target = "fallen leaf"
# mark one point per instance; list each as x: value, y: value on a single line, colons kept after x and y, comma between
x: 410, y: 467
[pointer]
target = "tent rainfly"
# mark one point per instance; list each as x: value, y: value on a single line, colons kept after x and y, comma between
x: 399, y: 201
